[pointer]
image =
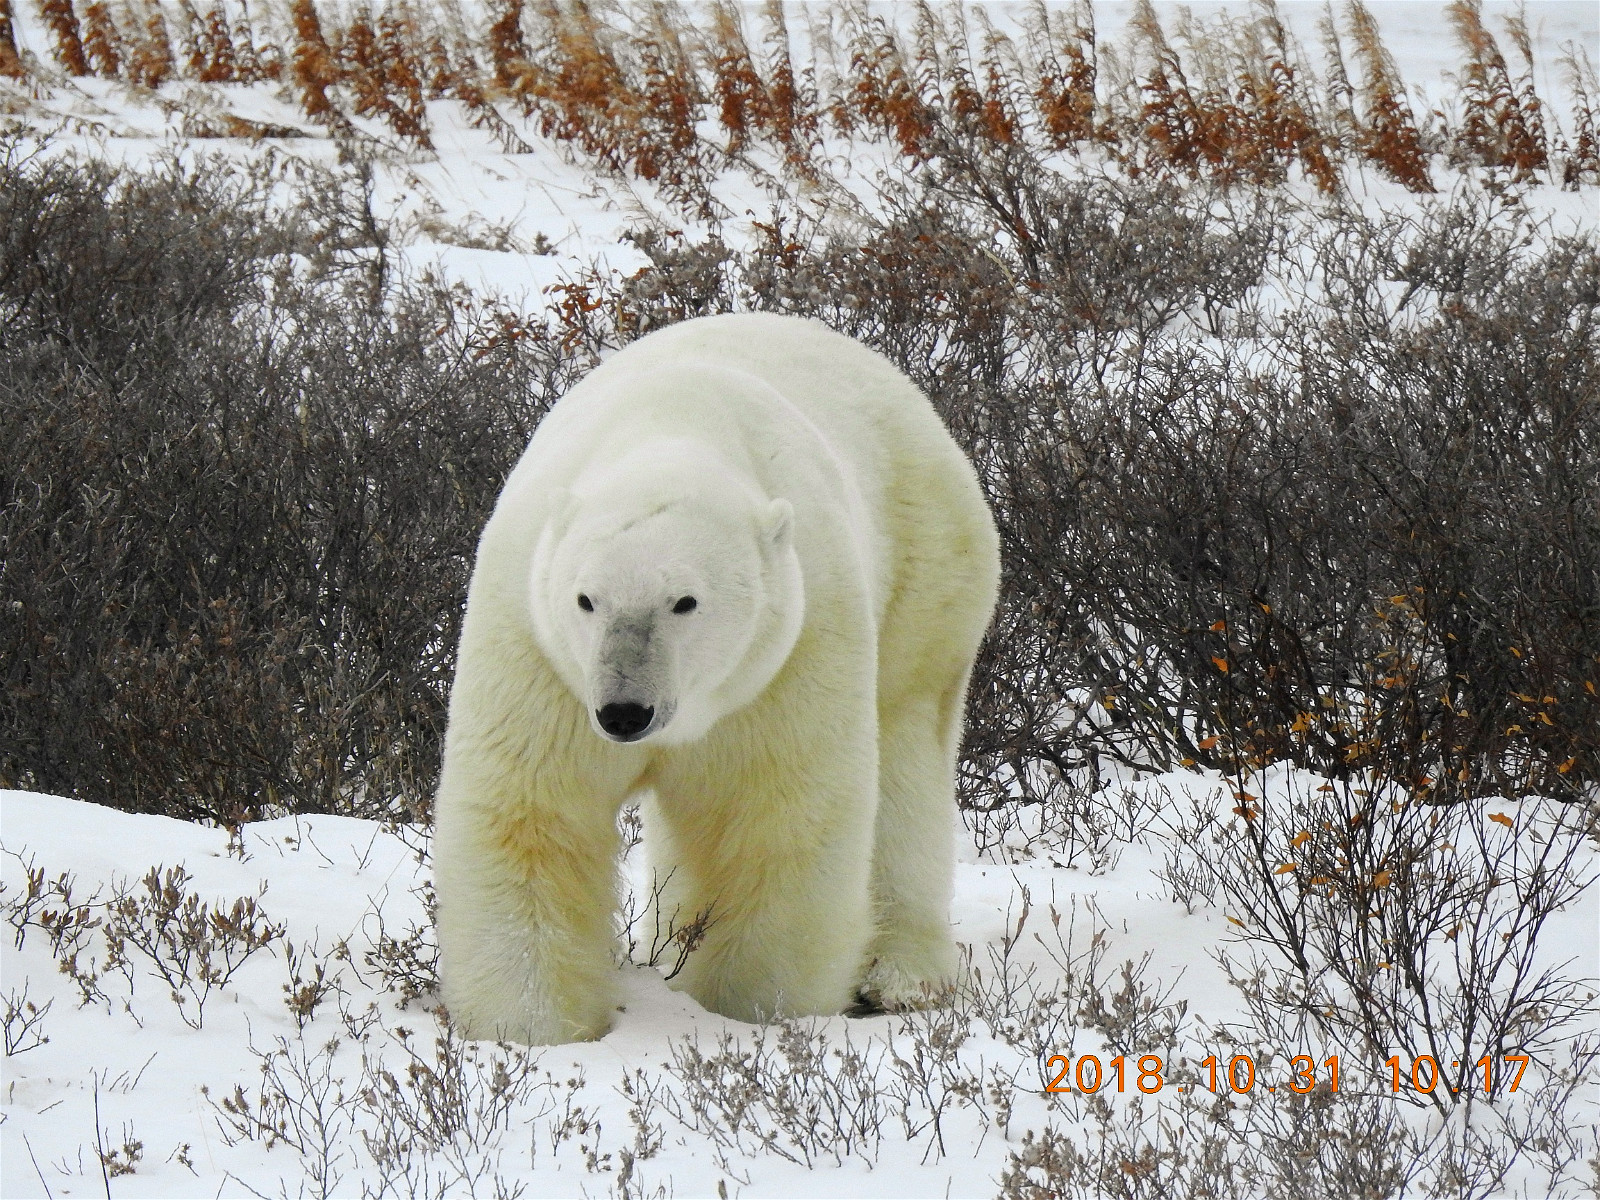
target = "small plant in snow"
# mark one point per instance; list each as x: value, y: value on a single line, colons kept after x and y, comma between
x: 672, y: 940
x: 308, y: 984
x: 22, y: 1022
x: 195, y: 948
x: 300, y: 1102
x: 790, y: 1091
x: 440, y: 1116
x: 408, y: 964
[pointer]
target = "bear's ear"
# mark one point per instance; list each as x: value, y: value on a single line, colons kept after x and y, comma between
x: 777, y: 529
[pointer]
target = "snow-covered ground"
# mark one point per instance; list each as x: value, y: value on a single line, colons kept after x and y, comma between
x: 136, y: 1069
x: 129, y: 1092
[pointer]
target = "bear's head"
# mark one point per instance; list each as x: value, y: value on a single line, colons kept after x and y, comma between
x: 666, y: 600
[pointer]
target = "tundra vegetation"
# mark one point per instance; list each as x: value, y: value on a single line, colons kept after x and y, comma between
x: 1299, y: 493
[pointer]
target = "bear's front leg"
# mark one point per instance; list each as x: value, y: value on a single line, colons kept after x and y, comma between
x: 524, y: 858
x: 525, y: 924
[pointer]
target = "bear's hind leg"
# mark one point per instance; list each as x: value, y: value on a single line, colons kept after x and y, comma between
x: 912, y: 961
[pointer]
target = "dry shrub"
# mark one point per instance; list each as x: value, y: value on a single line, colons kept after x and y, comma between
x: 238, y: 531
x: 102, y: 44
x: 208, y: 45
x: 631, y: 88
x: 1583, y: 156
x: 10, y: 61
x: 628, y: 103
x: 378, y: 64
x: 150, y: 61
x: 1065, y: 68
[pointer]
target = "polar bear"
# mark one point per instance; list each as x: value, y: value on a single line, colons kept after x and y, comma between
x: 740, y: 574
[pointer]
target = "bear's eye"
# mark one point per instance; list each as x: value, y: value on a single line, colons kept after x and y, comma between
x: 585, y: 603
x: 687, y: 604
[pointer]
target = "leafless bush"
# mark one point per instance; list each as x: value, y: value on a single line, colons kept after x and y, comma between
x: 300, y: 1102
x: 1386, y: 927
x: 239, y: 522
x: 23, y: 1022
x: 1295, y: 546
x: 407, y: 964
x: 1232, y: 557
x: 429, y: 1129
x: 1032, y: 1009
x: 929, y: 1079
x: 673, y: 937
x: 780, y: 1094
x: 193, y: 947
x: 1135, y: 1151
x: 434, y: 1124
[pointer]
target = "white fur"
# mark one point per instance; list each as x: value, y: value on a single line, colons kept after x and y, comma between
x: 799, y: 764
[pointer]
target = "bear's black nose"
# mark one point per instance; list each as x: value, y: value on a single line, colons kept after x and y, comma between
x: 625, y: 722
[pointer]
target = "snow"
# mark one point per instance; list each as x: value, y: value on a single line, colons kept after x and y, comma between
x: 131, y: 1068
x: 154, y: 1079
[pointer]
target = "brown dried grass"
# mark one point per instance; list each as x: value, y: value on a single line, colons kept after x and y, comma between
x: 10, y: 61
x: 671, y: 95
x: 1503, y: 120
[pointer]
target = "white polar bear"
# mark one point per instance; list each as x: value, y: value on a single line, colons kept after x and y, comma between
x: 741, y: 571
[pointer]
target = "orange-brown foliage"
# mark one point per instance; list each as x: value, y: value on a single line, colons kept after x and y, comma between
x: 883, y: 96
x: 211, y: 53
x: 10, y: 61
x: 1172, y: 122
x: 508, y: 52
x: 743, y: 105
x: 402, y: 70
x: 1388, y: 136
x: 577, y: 87
x: 629, y: 86
x: 1503, y: 124
x: 63, y: 23
x: 792, y: 104
x: 379, y: 64
x: 102, y: 44
x: 1063, y: 93
x: 315, y: 68
x: 150, y: 56
x: 1583, y: 156
x: 1286, y: 126
x: 667, y: 145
